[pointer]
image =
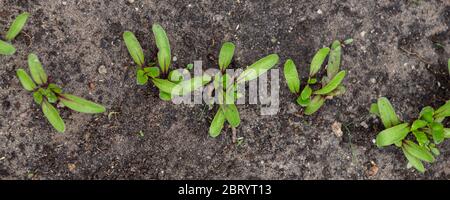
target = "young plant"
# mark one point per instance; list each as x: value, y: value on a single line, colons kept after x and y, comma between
x: 6, y: 48
x: 427, y: 131
x: 168, y: 82
x: 226, y: 87
x: 46, y: 93
x: 328, y: 87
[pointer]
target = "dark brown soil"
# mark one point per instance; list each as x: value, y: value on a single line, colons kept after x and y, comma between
x: 400, y: 51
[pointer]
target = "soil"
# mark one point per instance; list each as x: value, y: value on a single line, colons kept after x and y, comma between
x: 400, y: 51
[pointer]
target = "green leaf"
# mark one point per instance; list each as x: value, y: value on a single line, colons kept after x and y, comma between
x: 81, y: 105
x: 231, y: 114
x: 333, y: 84
x: 437, y: 131
x: 37, y: 71
x: 50, y: 95
x: 164, y: 85
x: 188, y: 86
x: 443, y: 111
x: 312, y: 81
x: 162, y: 42
x: 418, y: 124
x: 141, y: 77
x: 259, y: 67
x: 418, y: 151
x: 306, y: 93
x: 374, y: 109
x: 55, y: 88
x: 334, y: 61
x: 165, y: 96
x: 176, y: 76
x: 303, y: 102
x: 134, y: 48
x: 38, y: 98
x: 427, y: 114
x: 6, y: 48
x: 190, y: 66
x: 17, y: 26
x: 392, y: 135
x: 318, y: 60
x: 314, y: 105
x: 53, y: 117
x: 415, y: 162
x: 217, y: 124
x: 291, y: 75
x: 152, y: 71
x: 25, y: 80
x: 435, y: 151
x: 447, y: 133
x: 387, y: 113
x: 226, y: 55
x: 421, y: 137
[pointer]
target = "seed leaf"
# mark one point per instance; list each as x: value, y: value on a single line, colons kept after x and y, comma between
x: 164, y: 85
x: 415, y: 162
x: 443, y: 111
x: 226, y: 55
x: 134, y: 48
x: 152, y: 71
x: 318, y: 60
x: 188, y: 86
x: 217, y: 124
x: 392, y: 135
x: 259, y: 67
x: 6, y: 48
x: 374, y: 109
x: 164, y: 60
x: 37, y: 97
x: 306, y: 93
x: 81, y: 105
x: 437, y: 131
x: 418, y: 124
x: 333, y: 84
x: 37, y: 71
x: 421, y: 137
x: 162, y: 42
x: 427, y: 114
x: 447, y: 133
x: 53, y: 117
x: 303, y: 102
x: 334, y: 61
x: 291, y: 75
x: 387, y: 113
x: 165, y: 96
x: 340, y: 90
x: 25, y: 80
x: 231, y: 114
x: 55, y: 88
x: 17, y: 26
x: 50, y: 95
x: 141, y: 77
x: 314, y: 105
x: 418, y: 151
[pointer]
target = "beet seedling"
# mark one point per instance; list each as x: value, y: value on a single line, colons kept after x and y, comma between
x: 428, y: 131
x: 330, y: 85
x: 226, y: 87
x: 46, y: 93
x: 6, y: 48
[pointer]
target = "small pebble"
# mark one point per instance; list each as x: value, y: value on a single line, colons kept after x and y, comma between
x: 319, y: 12
x: 102, y: 70
x: 363, y: 34
x: 130, y: 1
x: 373, y: 80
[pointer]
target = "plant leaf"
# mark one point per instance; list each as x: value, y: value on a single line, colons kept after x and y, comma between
x: 415, y: 162
x: 334, y: 61
x: 37, y: 71
x: 259, y: 67
x: 421, y: 137
x: 134, y: 48
x: 53, y: 117
x: 164, y: 85
x: 231, y: 114
x: 6, y: 48
x: 418, y: 151
x: 217, y: 124
x: 437, y: 131
x: 314, y: 105
x: 81, y: 105
x: 176, y: 76
x: 37, y: 97
x: 50, y: 95
x: 55, y: 88
x: 333, y: 84
x: 374, y: 109
x: 418, y: 124
x: 340, y: 90
x: 312, y: 81
x: 392, y: 135
x: 152, y: 71
x: 447, y: 133
x: 306, y: 93
x: 303, y: 102
x: 164, y: 60
x: 188, y: 86
x: 291, y: 75
x: 141, y: 77
x: 165, y: 96
x: 427, y: 114
x: 25, y: 80
x: 226, y: 55
x: 318, y: 60
x: 17, y: 26
x: 443, y: 111
x: 387, y: 113
x: 162, y: 42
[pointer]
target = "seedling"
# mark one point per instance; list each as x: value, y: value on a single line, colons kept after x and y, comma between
x: 46, y: 93
x: 329, y: 86
x: 6, y: 48
x: 427, y: 131
x: 226, y: 87
x: 164, y: 79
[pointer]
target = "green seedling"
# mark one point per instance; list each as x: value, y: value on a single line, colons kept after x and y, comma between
x: 170, y: 83
x: 329, y: 86
x: 428, y: 131
x: 46, y: 93
x: 6, y: 48
x: 226, y: 87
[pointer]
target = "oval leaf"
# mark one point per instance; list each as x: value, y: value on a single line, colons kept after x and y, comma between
x: 226, y: 55
x: 81, y: 105
x: 306, y: 93
x: 162, y: 42
x: 231, y: 114
x: 6, y: 48
x: 318, y: 60
x: 164, y: 85
x: 314, y: 105
x: 53, y: 117
x: 188, y: 86
x: 387, y: 113
x: 415, y: 162
x: 25, y: 80
x: 437, y: 131
x: 392, y: 135
x: 134, y: 48
x: 217, y: 124
x: 334, y: 61
x: 17, y: 26
x: 259, y: 67
x: 447, y: 133
x: 418, y: 124
x: 418, y: 151
x: 291, y: 75
x: 37, y: 71
x: 333, y: 84
x: 443, y: 111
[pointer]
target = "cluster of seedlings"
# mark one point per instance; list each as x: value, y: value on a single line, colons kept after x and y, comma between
x: 418, y: 140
